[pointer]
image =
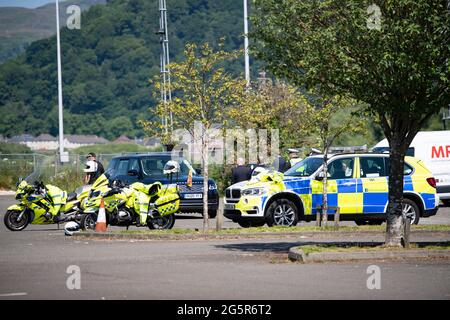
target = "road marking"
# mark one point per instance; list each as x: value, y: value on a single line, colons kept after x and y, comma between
x: 13, y: 294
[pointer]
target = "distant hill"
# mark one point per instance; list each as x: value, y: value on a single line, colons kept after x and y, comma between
x: 21, y: 26
x: 107, y: 66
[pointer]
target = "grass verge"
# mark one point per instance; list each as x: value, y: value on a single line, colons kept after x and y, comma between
x: 320, y: 248
x: 296, y: 229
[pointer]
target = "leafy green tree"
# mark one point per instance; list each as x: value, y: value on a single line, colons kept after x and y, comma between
x: 327, y: 127
x: 278, y: 106
x: 392, y: 55
x: 202, y: 92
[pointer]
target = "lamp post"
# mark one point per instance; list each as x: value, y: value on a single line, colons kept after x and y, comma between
x: 63, y: 156
x: 247, y: 62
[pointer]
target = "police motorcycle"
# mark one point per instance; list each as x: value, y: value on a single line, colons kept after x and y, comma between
x: 152, y: 205
x: 40, y: 203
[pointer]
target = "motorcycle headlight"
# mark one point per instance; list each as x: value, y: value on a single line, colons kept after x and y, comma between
x: 254, y: 192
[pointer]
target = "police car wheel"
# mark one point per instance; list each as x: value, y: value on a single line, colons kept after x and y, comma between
x: 411, y: 210
x: 446, y: 202
x: 282, y: 212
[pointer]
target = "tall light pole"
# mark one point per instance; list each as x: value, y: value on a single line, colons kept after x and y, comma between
x: 166, y: 94
x: 247, y: 62
x: 62, y: 155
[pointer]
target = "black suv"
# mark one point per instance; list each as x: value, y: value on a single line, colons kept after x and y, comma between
x: 148, y: 168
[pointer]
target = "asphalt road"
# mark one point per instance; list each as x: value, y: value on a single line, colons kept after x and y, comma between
x: 34, y: 264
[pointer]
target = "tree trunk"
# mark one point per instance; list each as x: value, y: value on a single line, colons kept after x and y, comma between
x: 325, y: 190
x: 205, y: 161
x: 395, y: 219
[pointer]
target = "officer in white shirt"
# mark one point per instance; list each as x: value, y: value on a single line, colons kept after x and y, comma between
x: 293, y: 156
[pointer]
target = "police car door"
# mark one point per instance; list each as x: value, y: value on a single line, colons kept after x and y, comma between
x: 373, y: 184
x: 342, y: 185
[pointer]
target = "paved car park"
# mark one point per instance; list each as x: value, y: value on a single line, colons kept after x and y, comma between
x: 34, y: 265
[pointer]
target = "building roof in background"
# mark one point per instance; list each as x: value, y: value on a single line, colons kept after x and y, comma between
x: 123, y: 138
x: 22, y: 138
x: 83, y: 139
x: 73, y: 138
x: 45, y: 137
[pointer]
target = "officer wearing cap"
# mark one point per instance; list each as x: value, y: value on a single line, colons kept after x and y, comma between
x: 92, y: 176
x: 293, y: 156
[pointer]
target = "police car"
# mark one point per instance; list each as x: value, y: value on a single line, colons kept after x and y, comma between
x: 357, y: 184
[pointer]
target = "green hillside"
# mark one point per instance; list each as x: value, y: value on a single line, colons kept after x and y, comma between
x: 107, y: 65
x: 21, y: 26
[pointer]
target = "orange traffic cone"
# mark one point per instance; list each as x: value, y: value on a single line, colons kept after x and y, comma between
x: 100, y: 226
x: 189, y: 179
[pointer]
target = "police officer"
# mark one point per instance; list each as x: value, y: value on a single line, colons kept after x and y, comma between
x: 280, y: 164
x: 293, y: 156
x: 91, y: 175
x: 241, y: 172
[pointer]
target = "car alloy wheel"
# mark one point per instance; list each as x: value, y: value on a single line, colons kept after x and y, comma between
x: 284, y: 215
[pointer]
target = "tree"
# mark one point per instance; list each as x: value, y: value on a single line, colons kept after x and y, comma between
x: 392, y: 55
x: 201, y: 92
x: 275, y: 105
x: 325, y: 123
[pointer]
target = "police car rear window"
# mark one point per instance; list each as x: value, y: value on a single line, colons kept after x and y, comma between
x: 372, y: 167
x: 407, y: 169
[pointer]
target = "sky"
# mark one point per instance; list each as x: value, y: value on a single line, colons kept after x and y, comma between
x: 24, y: 3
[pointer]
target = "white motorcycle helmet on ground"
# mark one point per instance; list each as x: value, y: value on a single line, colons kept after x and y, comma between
x: 71, y: 227
x: 91, y: 166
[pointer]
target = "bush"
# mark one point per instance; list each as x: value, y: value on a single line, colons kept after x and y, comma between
x: 8, y: 148
x: 221, y: 175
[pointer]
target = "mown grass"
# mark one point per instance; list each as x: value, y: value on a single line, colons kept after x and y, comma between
x: 320, y: 248
x: 297, y: 229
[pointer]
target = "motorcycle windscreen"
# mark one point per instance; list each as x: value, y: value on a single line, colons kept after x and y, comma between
x: 100, y: 182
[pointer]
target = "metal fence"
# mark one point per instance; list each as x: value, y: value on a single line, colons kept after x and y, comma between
x: 46, y: 168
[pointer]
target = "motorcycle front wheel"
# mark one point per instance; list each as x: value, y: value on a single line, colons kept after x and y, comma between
x: 88, y: 221
x: 13, y: 223
x: 161, y: 223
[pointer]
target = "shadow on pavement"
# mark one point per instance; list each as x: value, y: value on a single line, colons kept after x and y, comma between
x: 188, y: 216
x: 283, y: 247
x: 275, y: 247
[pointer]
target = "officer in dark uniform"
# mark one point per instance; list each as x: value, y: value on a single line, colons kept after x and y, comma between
x: 89, y: 179
x: 241, y: 172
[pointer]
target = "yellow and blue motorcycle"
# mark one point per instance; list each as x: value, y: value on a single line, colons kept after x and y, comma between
x: 44, y: 204
x: 138, y: 204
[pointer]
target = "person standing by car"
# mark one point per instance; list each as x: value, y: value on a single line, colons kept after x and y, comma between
x: 91, y: 175
x: 293, y: 156
x: 280, y: 164
x: 241, y: 172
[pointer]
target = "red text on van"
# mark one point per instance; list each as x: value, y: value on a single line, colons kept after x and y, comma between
x: 440, y: 152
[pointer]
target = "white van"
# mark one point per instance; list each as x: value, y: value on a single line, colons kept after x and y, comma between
x: 433, y: 147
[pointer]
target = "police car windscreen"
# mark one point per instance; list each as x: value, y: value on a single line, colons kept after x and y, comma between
x: 305, y: 168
